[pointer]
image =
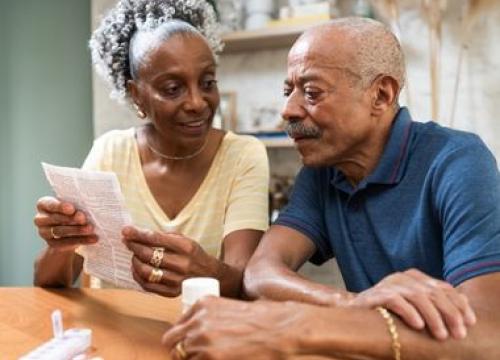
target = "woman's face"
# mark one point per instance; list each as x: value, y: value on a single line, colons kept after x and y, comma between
x: 177, y: 88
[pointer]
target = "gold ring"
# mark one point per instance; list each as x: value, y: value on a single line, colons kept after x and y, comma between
x: 54, y: 236
x: 155, y: 276
x: 181, y: 352
x: 157, y: 257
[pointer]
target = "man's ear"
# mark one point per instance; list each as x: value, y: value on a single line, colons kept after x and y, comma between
x: 385, y: 91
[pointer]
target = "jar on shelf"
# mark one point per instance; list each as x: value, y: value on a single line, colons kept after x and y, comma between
x: 230, y: 14
x: 258, y: 13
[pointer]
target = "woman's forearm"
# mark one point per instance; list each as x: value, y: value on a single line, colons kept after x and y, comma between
x: 55, y: 268
x: 230, y: 279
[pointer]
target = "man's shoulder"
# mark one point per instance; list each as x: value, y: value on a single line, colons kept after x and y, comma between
x: 432, y: 136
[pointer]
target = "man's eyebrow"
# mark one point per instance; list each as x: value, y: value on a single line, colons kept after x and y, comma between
x: 303, y: 79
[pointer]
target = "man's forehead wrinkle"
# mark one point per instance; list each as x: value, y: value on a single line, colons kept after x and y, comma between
x: 314, y: 66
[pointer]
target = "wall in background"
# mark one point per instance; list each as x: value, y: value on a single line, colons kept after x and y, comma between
x: 45, y: 114
x: 5, y: 160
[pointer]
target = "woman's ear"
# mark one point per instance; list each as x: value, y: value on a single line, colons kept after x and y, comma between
x: 133, y: 90
x: 385, y: 94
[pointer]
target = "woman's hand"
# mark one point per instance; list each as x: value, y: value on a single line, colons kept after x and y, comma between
x: 179, y: 258
x: 62, y: 226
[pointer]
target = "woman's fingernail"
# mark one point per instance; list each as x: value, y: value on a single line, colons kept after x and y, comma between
x: 67, y: 208
x: 80, y: 218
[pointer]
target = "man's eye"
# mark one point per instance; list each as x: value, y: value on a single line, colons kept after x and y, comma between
x: 209, y: 84
x: 287, y: 92
x: 312, y: 94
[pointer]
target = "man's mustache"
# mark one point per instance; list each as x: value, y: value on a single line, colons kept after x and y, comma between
x: 298, y: 129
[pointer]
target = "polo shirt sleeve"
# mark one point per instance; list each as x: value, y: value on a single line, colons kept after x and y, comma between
x: 305, y: 213
x: 467, y: 193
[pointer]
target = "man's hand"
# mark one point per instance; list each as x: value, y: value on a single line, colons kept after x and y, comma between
x: 421, y: 301
x: 218, y: 328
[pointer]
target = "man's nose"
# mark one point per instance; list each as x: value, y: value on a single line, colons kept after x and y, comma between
x: 293, y: 109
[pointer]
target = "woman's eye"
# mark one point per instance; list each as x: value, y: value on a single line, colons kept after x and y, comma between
x: 172, y: 90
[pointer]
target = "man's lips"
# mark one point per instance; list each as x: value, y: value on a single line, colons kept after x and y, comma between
x: 302, y: 137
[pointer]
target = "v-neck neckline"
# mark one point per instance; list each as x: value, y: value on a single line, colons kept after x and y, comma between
x: 179, y: 218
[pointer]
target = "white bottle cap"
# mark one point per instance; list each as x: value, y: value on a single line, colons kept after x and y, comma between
x: 194, y: 289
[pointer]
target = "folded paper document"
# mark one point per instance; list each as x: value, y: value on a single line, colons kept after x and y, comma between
x: 99, y: 196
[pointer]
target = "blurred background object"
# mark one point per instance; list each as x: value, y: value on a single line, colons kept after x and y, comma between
x: 258, y: 13
x: 279, y: 194
x: 230, y: 14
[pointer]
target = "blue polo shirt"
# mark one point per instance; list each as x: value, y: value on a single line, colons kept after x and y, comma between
x: 432, y: 203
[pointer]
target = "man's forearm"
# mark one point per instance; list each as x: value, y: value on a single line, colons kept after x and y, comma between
x: 57, y: 269
x: 363, y: 334
x: 279, y: 283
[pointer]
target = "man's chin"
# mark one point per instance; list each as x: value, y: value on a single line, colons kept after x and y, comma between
x: 311, y: 161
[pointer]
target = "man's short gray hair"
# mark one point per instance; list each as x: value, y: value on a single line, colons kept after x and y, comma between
x: 110, y: 42
x: 377, y: 50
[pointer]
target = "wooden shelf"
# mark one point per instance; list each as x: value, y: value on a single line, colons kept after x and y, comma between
x: 263, y: 39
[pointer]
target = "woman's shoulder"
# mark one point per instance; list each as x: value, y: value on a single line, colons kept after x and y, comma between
x: 239, y: 152
x: 115, y: 140
x: 117, y: 136
x: 243, y: 143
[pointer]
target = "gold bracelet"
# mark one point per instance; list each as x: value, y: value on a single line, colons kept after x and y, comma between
x: 391, y: 326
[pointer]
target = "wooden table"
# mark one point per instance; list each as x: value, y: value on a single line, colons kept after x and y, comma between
x: 125, y: 324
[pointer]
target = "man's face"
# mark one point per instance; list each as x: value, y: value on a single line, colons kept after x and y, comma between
x: 328, y: 112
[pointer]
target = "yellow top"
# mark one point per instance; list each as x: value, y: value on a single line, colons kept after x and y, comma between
x: 233, y: 196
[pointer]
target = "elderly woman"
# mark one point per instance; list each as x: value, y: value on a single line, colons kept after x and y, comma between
x: 175, y: 169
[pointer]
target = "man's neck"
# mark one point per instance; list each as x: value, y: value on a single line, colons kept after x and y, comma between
x: 368, y: 157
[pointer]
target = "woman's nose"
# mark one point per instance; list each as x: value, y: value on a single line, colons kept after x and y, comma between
x: 195, y: 101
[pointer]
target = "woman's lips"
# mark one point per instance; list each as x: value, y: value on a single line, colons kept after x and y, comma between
x: 194, y: 127
x: 194, y: 123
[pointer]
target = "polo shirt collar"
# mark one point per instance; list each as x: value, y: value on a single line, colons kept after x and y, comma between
x: 390, y: 168
x: 392, y: 163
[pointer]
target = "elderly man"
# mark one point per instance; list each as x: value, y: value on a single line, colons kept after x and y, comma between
x: 409, y: 210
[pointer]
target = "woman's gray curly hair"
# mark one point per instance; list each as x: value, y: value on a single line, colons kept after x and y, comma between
x: 110, y: 42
